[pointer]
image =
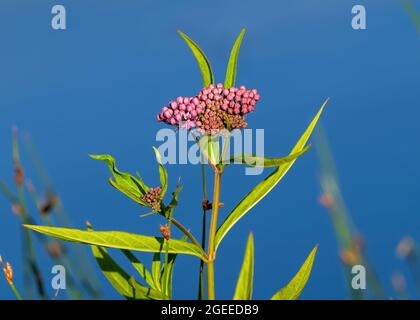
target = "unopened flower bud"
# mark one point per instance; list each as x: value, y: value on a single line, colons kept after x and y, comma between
x: 165, y: 231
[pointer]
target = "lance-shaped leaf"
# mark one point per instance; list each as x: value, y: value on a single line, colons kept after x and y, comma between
x: 243, y: 289
x: 295, y: 286
x: 203, y: 63
x: 141, y: 268
x: 163, y: 174
x: 167, y: 273
x: 121, y: 240
x: 264, y: 187
x: 121, y: 280
x: 257, y: 161
x: 156, y: 270
x: 233, y: 60
x: 126, y: 183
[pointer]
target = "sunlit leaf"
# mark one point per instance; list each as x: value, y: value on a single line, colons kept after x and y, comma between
x: 120, y: 240
x: 265, y: 186
x: 163, y: 174
x: 295, y: 286
x: 156, y: 270
x: 203, y: 63
x: 141, y: 268
x: 120, y: 279
x: 233, y: 60
x: 126, y: 183
x: 257, y: 161
x: 243, y: 289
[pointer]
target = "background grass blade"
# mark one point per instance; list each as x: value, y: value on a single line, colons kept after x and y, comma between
x: 199, y: 55
x: 264, y: 187
x: 244, y: 285
x: 233, y: 61
x: 295, y: 286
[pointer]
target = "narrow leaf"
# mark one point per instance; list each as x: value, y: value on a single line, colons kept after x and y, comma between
x: 120, y: 240
x: 140, y: 267
x: 246, y: 277
x: 163, y: 174
x: 156, y: 270
x: 126, y: 183
x: 203, y: 63
x: 167, y: 273
x: 295, y: 286
x: 120, y: 279
x: 265, y: 186
x: 257, y: 161
x: 233, y: 60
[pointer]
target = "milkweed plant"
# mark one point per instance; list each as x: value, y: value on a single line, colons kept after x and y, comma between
x: 214, y: 112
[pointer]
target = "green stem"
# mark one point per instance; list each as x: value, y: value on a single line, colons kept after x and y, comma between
x: 212, y: 235
x: 15, y: 291
x: 203, y: 230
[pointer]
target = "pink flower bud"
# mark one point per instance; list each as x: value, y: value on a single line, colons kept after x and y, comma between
x: 178, y: 117
x: 167, y: 114
x: 173, y: 121
x: 225, y: 92
x: 195, y: 101
x: 186, y: 100
x: 193, y: 113
x: 179, y: 100
x: 219, y: 86
x: 173, y: 105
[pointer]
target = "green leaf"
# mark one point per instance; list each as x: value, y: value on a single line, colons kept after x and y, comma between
x: 210, y: 147
x: 243, y: 289
x: 131, y: 186
x: 203, y: 63
x: 120, y: 280
x: 156, y: 270
x: 257, y: 161
x: 265, y: 186
x: 167, y: 272
x: 141, y: 268
x: 163, y: 174
x: 120, y: 240
x: 295, y: 286
x: 233, y: 60
x: 140, y: 291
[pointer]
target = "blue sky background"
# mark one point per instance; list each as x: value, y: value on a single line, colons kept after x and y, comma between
x: 96, y: 87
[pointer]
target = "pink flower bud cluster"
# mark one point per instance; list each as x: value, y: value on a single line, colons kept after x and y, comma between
x: 210, y: 109
x: 234, y: 100
x: 183, y: 113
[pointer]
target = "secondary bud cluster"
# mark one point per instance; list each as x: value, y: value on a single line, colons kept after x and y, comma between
x: 214, y: 108
x: 153, y: 198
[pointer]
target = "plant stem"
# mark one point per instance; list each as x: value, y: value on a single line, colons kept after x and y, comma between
x: 184, y: 230
x: 15, y: 291
x: 212, y: 235
x: 203, y: 230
